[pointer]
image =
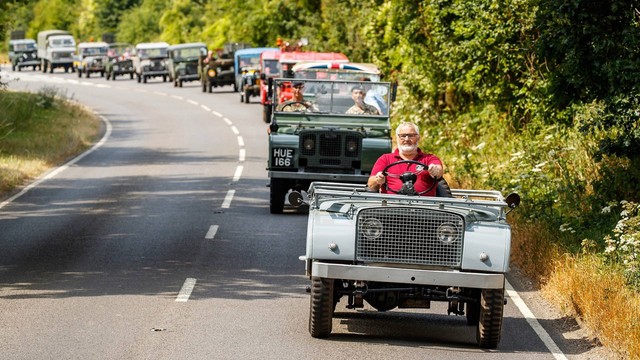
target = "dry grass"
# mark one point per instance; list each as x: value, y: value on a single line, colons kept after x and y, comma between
x: 582, y: 286
x: 32, y: 140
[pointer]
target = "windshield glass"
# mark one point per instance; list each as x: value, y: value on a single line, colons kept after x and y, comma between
x: 148, y: 53
x: 335, y: 74
x: 64, y: 42
x: 24, y: 47
x: 249, y: 61
x: 352, y: 98
x: 189, y: 53
x: 93, y: 51
x: 271, y: 68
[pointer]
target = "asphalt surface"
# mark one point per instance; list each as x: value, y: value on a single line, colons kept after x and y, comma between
x: 158, y: 243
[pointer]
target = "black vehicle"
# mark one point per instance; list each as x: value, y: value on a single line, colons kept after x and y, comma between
x: 119, y: 62
x: 250, y: 84
x: 23, y: 53
x: 219, y: 70
x: 183, y: 62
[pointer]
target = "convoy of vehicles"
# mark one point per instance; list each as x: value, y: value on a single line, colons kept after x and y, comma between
x: 394, y: 250
x: 23, y: 53
x: 119, y: 60
x: 56, y: 49
x: 91, y: 58
x: 150, y: 61
x: 183, y: 62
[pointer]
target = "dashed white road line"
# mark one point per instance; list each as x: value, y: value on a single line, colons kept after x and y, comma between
x: 236, y: 176
x: 242, y: 155
x: 227, y: 199
x: 186, y: 290
x: 240, y: 141
x: 193, y: 102
x: 216, y: 113
x: 213, y: 229
x: 235, y: 130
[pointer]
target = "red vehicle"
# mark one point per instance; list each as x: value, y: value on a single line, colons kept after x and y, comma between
x: 269, y: 68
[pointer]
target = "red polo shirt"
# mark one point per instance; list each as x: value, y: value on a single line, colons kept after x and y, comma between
x: 424, y: 179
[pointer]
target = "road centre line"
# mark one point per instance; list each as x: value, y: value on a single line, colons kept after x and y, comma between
x: 160, y: 93
x: 186, y: 290
x: 193, y: 102
x: 227, y: 199
x: 177, y: 97
x: 235, y: 130
x: 227, y: 121
x: 533, y: 322
x: 236, y: 176
x: 242, y: 155
x: 240, y: 141
x: 205, y: 108
x: 216, y: 113
x: 213, y: 229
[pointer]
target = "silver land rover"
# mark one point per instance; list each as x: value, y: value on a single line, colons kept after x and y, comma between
x: 406, y: 251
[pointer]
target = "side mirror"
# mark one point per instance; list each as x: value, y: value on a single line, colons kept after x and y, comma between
x: 512, y: 200
x: 296, y: 199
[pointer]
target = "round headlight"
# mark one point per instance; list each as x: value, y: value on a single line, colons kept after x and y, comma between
x: 447, y: 233
x: 211, y: 73
x: 352, y: 146
x: 372, y: 228
x: 309, y: 144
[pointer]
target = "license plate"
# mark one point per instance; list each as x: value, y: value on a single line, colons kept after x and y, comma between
x: 283, y: 157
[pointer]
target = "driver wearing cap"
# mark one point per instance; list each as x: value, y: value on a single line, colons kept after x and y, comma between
x: 297, y: 102
x: 408, y: 136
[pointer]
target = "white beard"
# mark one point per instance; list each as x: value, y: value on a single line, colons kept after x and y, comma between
x: 408, y: 148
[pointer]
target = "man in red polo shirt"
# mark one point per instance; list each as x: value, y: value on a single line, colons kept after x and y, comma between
x: 408, y: 137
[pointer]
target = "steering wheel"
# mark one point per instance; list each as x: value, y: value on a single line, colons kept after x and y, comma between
x: 408, y: 178
x: 291, y: 103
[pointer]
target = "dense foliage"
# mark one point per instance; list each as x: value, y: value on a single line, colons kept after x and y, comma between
x: 538, y: 96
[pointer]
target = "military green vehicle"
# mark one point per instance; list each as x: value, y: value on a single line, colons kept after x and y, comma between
x: 183, y: 62
x: 219, y: 69
x: 319, y: 139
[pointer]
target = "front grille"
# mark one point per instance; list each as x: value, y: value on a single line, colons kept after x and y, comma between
x: 330, y: 148
x: 409, y: 236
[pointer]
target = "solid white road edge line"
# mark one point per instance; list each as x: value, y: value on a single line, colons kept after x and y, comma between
x: 60, y: 169
x: 213, y: 229
x: 533, y: 322
x: 227, y: 199
x: 186, y: 290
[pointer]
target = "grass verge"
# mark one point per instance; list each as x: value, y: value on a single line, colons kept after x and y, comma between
x: 39, y: 131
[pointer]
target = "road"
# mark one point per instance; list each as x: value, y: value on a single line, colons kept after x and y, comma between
x: 158, y: 243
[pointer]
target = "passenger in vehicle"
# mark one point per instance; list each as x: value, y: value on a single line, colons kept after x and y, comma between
x: 373, y: 98
x: 297, y: 102
x: 360, y: 107
x: 408, y: 137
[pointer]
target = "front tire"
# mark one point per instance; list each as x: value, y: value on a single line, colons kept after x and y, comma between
x: 278, y: 189
x: 321, y: 307
x: 490, y: 319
